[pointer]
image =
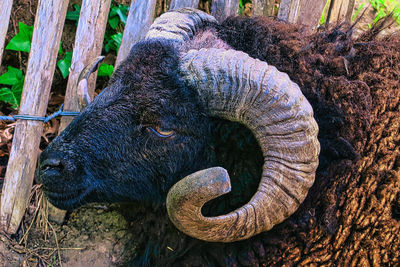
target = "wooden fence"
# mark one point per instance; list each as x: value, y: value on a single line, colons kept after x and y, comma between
x: 50, y: 17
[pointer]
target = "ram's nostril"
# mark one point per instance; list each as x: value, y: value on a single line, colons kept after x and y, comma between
x: 56, y: 165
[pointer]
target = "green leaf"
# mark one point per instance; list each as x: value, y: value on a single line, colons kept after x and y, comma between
x: 21, y: 41
x: 117, y: 39
x: 15, y: 78
x: 122, y: 12
x: 113, y: 42
x: 107, y: 46
x: 110, y: 44
x: 8, y: 96
x: 105, y: 70
x: 60, y: 50
x: 17, y: 92
x: 118, y: 13
x: 353, y: 18
x: 64, y: 64
x: 12, y: 77
x: 74, y: 15
x: 381, y: 14
x: 113, y: 22
x: 113, y: 12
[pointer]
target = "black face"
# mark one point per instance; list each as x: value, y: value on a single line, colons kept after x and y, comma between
x: 143, y: 133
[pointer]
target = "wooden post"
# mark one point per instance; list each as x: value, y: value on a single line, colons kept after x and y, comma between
x: 48, y: 26
x: 310, y: 14
x: 183, y: 3
x: 340, y: 11
x: 287, y: 10
x: 140, y: 17
x: 5, y: 12
x: 302, y: 12
x: 88, y: 44
x: 221, y: 9
x: 263, y: 7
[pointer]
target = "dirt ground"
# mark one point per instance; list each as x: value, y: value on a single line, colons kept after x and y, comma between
x: 94, y: 235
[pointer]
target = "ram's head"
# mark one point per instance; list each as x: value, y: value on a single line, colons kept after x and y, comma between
x: 144, y: 137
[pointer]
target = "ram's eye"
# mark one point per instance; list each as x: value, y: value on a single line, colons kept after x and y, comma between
x: 162, y: 132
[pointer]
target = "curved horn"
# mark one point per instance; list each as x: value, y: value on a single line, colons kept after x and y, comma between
x: 83, y: 79
x: 236, y: 87
x: 179, y: 25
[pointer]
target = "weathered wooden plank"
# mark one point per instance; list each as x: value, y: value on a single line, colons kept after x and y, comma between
x: 221, y: 9
x: 49, y: 21
x: 258, y: 7
x: 183, y: 3
x: 302, y: 12
x: 88, y: 44
x: 285, y: 10
x: 5, y: 12
x: 340, y: 11
x: 310, y: 14
x: 263, y: 7
x: 140, y: 17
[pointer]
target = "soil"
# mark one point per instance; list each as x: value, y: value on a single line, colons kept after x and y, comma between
x: 92, y: 236
x: 352, y: 210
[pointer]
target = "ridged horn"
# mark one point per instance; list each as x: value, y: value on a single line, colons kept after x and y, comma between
x: 179, y: 25
x: 236, y: 87
x: 83, y: 80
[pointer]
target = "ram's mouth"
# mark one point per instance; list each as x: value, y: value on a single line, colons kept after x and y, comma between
x: 68, y: 199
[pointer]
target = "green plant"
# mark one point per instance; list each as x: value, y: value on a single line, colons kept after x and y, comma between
x: 105, y: 70
x: 116, y: 19
x: 64, y: 64
x: 322, y: 20
x: 112, y: 41
x: 242, y: 4
x: 383, y: 8
x: 112, y: 38
x: 22, y: 40
x: 386, y: 8
x: 241, y: 7
x: 74, y: 15
x: 14, y: 78
x: 353, y: 18
x: 118, y: 14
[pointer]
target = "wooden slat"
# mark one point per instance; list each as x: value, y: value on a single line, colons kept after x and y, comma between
x: 340, y: 11
x: 288, y: 10
x: 5, y: 12
x: 140, y: 17
x: 302, y: 12
x: 183, y: 3
x: 310, y: 14
x: 88, y: 44
x: 221, y: 9
x: 263, y: 7
x: 48, y: 26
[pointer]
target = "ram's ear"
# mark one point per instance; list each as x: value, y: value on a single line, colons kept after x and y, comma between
x: 82, y: 83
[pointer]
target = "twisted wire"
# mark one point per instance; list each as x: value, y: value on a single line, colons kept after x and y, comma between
x: 58, y: 113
